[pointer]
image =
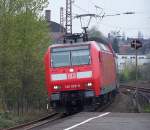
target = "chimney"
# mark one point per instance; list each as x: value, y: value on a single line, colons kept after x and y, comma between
x: 48, y: 15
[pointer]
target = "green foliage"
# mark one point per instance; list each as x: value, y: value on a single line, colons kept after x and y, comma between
x: 5, y: 123
x: 145, y: 71
x: 7, y: 120
x: 147, y: 108
x: 124, y: 76
x: 24, y: 38
x: 129, y: 74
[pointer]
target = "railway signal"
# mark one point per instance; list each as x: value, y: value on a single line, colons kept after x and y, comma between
x: 136, y: 44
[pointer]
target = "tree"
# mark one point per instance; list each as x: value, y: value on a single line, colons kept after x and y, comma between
x: 23, y: 40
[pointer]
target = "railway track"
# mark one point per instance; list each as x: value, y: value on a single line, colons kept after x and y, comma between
x: 50, y: 118
x: 141, y: 98
x: 53, y: 117
x: 40, y: 122
x: 141, y: 89
x: 37, y: 123
x: 106, y: 105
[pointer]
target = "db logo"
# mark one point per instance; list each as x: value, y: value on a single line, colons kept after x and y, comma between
x: 71, y: 75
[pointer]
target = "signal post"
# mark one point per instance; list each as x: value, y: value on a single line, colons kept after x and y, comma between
x: 136, y: 44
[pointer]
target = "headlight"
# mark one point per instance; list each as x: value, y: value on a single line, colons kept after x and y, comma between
x: 57, y: 87
x: 89, y: 84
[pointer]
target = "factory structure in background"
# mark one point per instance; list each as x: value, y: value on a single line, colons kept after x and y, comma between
x: 56, y: 30
x: 126, y: 58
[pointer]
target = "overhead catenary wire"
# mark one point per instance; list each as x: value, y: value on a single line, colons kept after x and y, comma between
x: 125, y: 28
x: 100, y: 14
x: 77, y: 6
x: 103, y: 7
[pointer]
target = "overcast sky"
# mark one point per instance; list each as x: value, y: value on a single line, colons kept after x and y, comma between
x: 129, y: 24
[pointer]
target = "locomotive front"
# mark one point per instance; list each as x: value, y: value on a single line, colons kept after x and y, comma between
x: 70, y: 76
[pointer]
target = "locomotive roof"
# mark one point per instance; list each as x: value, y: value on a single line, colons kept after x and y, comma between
x: 70, y: 44
x: 103, y: 47
x: 76, y: 44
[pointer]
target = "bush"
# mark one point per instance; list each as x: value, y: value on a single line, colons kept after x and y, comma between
x: 147, y: 109
x: 129, y: 74
x: 6, y: 120
x: 4, y: 123
x: 145, y: 71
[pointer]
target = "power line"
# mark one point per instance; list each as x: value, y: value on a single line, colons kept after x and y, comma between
x: 77, y: 6
x: 125, y: 28
x: 102, y: 14
x: 104, y: 8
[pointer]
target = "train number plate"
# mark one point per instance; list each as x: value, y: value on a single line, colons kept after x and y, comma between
x: 72, y: 86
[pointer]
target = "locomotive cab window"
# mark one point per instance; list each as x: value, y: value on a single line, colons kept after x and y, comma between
x: 80, y: 57
x: 60, y: 59
x: 70, y: 56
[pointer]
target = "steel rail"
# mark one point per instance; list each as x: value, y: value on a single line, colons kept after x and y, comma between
x: 33, y: 123
x: 41, y: 123
x: 146, y: 90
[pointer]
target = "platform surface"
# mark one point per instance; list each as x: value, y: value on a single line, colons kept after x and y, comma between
x: 101, y: 121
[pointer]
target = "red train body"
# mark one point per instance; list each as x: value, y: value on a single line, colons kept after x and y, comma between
x: 79, y: 74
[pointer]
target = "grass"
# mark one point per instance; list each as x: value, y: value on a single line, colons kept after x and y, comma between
x: 147, y: 108
x: 5, y: 123
x: 7, y: 120
x: 1, y: 108
x: 10, y: 119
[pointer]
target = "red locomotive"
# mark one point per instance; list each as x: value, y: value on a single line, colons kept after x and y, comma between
x: 79, y: 75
